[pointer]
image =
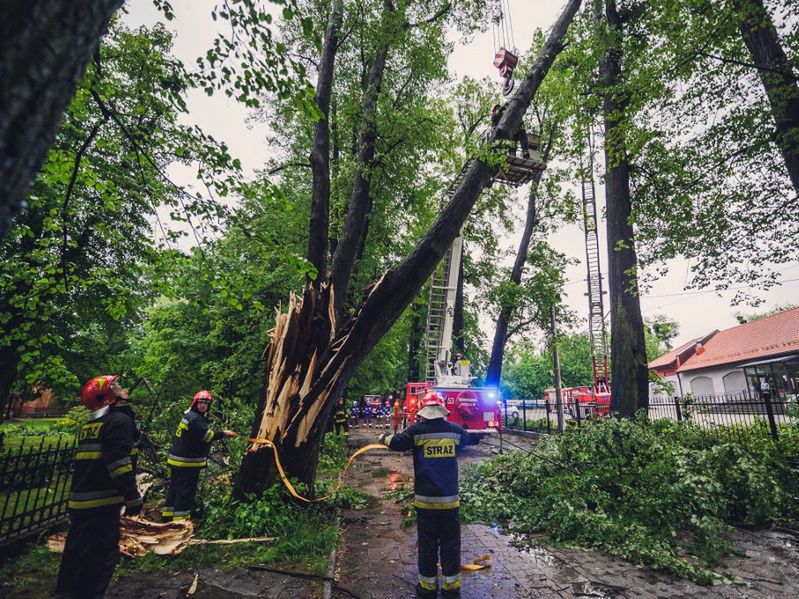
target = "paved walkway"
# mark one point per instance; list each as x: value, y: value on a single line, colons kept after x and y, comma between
x: 377, y: 558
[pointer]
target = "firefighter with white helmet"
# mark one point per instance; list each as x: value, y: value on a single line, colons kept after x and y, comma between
x: 435, y: 442
x: 188, y: 455
x: 103, y: 482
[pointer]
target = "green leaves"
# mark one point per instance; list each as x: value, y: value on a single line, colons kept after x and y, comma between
x: 649, y: 492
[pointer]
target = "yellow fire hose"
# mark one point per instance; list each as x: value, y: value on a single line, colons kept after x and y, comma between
x: 285, y: 479
x: 480, y: 563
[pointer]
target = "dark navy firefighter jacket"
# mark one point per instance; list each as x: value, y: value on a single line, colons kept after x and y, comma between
x: 435, y: 444
x: 105, y: 476
x: 192, y: 441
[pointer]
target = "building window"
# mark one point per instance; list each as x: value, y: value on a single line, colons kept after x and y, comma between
x: 702, y: 385
x: 734, y: 382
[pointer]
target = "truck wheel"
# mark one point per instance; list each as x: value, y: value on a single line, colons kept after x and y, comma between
x: 474, y: 438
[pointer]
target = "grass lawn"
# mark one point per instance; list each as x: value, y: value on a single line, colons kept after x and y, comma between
x: 31, y: 432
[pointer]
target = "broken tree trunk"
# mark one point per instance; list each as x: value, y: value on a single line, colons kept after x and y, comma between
x: 44, y: 49
x: 309, y: 360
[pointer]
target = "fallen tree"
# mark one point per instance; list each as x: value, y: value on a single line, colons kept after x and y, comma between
x: 311, y: 357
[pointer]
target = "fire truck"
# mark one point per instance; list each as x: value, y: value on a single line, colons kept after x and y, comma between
x: 476, y: 409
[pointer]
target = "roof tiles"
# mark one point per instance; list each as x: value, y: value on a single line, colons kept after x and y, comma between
x: 770, y: 336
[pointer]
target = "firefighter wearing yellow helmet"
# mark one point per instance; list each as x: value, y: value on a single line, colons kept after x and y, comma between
x: 188, y: 455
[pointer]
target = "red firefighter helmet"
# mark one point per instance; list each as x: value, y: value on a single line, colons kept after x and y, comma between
x: 201, y: 396
x: 97, y: 393
x: 432, y: 406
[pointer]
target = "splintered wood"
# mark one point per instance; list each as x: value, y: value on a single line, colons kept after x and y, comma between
x: 299, y: 336
x: 139, y: 537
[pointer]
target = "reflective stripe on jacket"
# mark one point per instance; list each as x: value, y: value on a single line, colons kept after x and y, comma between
x: 192, y: 441
x: 104, y: 473
x: 435, y: 444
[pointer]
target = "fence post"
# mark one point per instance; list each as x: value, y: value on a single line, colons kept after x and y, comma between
x: 524, y: 414
x: 548, y: 409
x: 678, y: 407
x: 577, y: 412
x: 770, y: 412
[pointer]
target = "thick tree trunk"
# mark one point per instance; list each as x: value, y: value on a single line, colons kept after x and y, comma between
x: 309, y: 362
x: 778, y: 78
x: 629, y: 375
x: 360, y: 201
x: 320, y: 155
x: 415, y: 342
x: 494, y: 371
x: 9, y: 360
x: 44, y: 49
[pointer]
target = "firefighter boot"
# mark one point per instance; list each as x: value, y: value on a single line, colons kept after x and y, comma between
x: 423, y: 593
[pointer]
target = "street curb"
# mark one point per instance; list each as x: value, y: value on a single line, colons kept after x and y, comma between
x: 327, y: 591
x: 525, y: 434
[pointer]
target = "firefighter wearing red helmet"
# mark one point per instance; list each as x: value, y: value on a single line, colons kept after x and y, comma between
x: 435, y: 442
x: 188, y: 455
x: 103, y: 482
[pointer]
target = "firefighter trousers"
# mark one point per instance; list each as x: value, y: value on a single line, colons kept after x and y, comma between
x: 181, y: 493
x: 439, y: 536
x: 90, y: 554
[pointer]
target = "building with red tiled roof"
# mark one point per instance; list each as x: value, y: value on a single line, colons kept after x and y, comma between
x: 737, y: 360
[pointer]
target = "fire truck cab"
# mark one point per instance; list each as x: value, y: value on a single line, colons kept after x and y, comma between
x: 476, y: 409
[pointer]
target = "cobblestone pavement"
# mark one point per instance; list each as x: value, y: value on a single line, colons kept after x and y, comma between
x: 377, y: 558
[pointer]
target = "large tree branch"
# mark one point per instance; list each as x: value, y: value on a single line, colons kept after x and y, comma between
x: 397, y: 288
x: 320, y: 155
x: 44, y: 49
x: 70, y: 188
x: 347, y: 248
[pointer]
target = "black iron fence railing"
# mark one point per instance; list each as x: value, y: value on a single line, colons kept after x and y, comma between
x: 34, y: 483
x: 738, y: 416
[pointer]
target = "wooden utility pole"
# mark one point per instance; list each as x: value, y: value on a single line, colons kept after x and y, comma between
x: 556, y: 368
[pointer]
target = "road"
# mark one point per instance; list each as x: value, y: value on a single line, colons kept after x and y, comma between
x: 377, y: 558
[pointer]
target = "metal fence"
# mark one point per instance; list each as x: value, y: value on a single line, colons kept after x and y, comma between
x: 740, y: 417
x: 34, y: 483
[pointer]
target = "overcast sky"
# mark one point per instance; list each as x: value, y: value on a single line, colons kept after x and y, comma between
x: 697, y: 312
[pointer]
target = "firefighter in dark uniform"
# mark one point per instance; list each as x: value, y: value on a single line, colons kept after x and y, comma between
x: 435, y: 443
x: 103, y: 482
x: 189, y: 455
x: 340, y: 416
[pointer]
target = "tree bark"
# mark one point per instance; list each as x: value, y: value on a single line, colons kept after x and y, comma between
x: 629, y: 374
x: 320, y: 155
x: 358, y: 209
x: 778, y: 77
x: 494, y: 370
x: 308, y: 362
x: 44, y: 49
x: 415, y: 342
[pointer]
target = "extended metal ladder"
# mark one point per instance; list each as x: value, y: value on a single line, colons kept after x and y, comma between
x: 444, y: 282
x: 596, y: 313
